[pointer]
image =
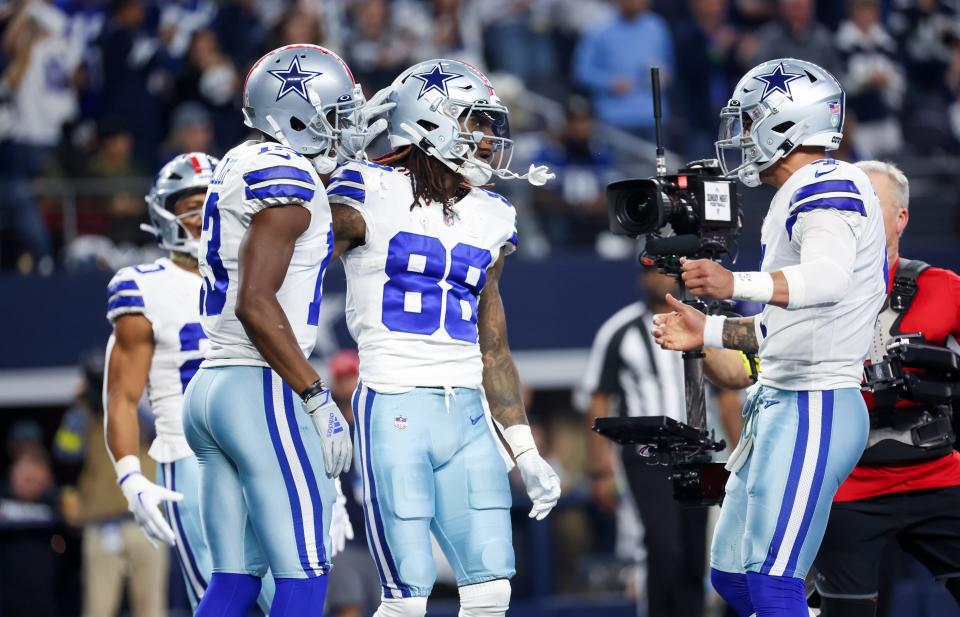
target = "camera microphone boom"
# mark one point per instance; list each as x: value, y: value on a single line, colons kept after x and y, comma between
x: 694, y: 213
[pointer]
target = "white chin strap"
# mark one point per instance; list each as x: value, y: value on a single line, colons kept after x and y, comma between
x: 478, y: 172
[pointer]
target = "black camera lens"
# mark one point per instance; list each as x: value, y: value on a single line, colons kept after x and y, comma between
x: 634, y: 206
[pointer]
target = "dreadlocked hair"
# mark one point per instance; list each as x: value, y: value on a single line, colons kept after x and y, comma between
x: 428, y: 176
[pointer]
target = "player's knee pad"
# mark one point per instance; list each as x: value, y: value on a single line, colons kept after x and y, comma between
x: 732, y: 587
x: 229, y: 595
x: 402, y: 607
x: 490, y: 599
x: 773, y: 596
x: 299, y: 597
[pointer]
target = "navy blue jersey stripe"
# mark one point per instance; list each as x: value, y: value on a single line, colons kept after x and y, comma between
x: 288, y: 191
x: 347, y: 191
x: 848, y: 204
x: 122, y: 286
x: 124, y: 301
x: 350, y: 175
x: 280, y: 172
x: 826, y: 186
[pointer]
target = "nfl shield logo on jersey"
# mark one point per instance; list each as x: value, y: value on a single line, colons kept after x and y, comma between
x: 400, y: 422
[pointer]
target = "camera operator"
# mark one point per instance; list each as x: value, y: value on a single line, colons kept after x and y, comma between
x: 822, y: 279
x: 629, y: 376
x: 898, y: 490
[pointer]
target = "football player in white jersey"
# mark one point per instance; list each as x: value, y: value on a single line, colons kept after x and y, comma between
x: 823, y: 279
x: 267, y: 464
x: 424, y: 247
x: 158, y: 343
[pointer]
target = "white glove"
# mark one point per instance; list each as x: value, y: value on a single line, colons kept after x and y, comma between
x: 541, y: 482
x: 334, y: 432
x: 538, y: 175
x: 341, y: 529
x: 144, y: 498
x: 354, y: 139
x: 539, y: 478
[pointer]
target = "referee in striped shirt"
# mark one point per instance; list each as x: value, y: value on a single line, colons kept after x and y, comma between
x: 628, y: 374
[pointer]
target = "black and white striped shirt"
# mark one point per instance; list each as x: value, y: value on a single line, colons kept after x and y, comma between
x: 627, y: 364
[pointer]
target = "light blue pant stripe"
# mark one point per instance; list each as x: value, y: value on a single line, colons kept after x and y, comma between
x: 373, y: 505
x: 793, y: 479
x: 822, y: 455
x: 362, y: 470
x: 312, y: 486
x: 194, y: 578
x: 292, y: 492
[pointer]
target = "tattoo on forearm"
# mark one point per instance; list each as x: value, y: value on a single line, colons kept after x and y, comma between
x: 501, y: 381
x: 740, y: 334
x: 348, y: 224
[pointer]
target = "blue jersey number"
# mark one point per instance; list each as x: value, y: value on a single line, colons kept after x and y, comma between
x: 213, y: 294
x: 190, y: 335
x: 413, y: 296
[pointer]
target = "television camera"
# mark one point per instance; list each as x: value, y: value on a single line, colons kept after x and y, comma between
x: 693, y: 213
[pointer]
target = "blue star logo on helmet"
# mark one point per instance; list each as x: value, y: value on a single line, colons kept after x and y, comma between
x: 435, y: 80
x: 777, y: 80
x: 294, y: 79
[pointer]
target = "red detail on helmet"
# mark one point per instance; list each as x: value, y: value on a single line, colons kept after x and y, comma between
x: 197, y: 168
x: 480, y: 74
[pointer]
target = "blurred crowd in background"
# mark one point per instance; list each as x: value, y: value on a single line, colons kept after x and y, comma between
x: 96, y: 95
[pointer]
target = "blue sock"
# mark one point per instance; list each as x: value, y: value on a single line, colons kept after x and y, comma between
x: 299, y: 597
x: 229, y: 595
x: 733, y: 588
x: 777, y: 596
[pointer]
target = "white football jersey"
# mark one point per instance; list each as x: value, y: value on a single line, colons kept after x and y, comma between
x: 823, y: 347
x: 253, y: 176
x: 166, y: 294
x: 412, y: 287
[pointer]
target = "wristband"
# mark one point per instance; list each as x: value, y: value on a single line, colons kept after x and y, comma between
x: 753, y: 286
x: 127, y: 465
x: 520, y: 439
x: 713, y: 331
x: 312, y: 390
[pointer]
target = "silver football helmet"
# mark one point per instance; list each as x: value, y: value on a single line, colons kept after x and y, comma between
x: 302, y: 96
x: 776, y: 107
x: 185, y: 174
x: 449, y: 109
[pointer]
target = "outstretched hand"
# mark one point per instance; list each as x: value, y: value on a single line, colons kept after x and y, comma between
x: 681, y: 330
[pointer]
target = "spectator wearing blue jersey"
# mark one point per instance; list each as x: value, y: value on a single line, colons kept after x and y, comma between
x: 613, y: 61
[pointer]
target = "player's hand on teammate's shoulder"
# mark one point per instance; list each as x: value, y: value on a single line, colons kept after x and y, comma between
x: 707, y: 279
x: 680, y: 330
x: 333, y: 429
